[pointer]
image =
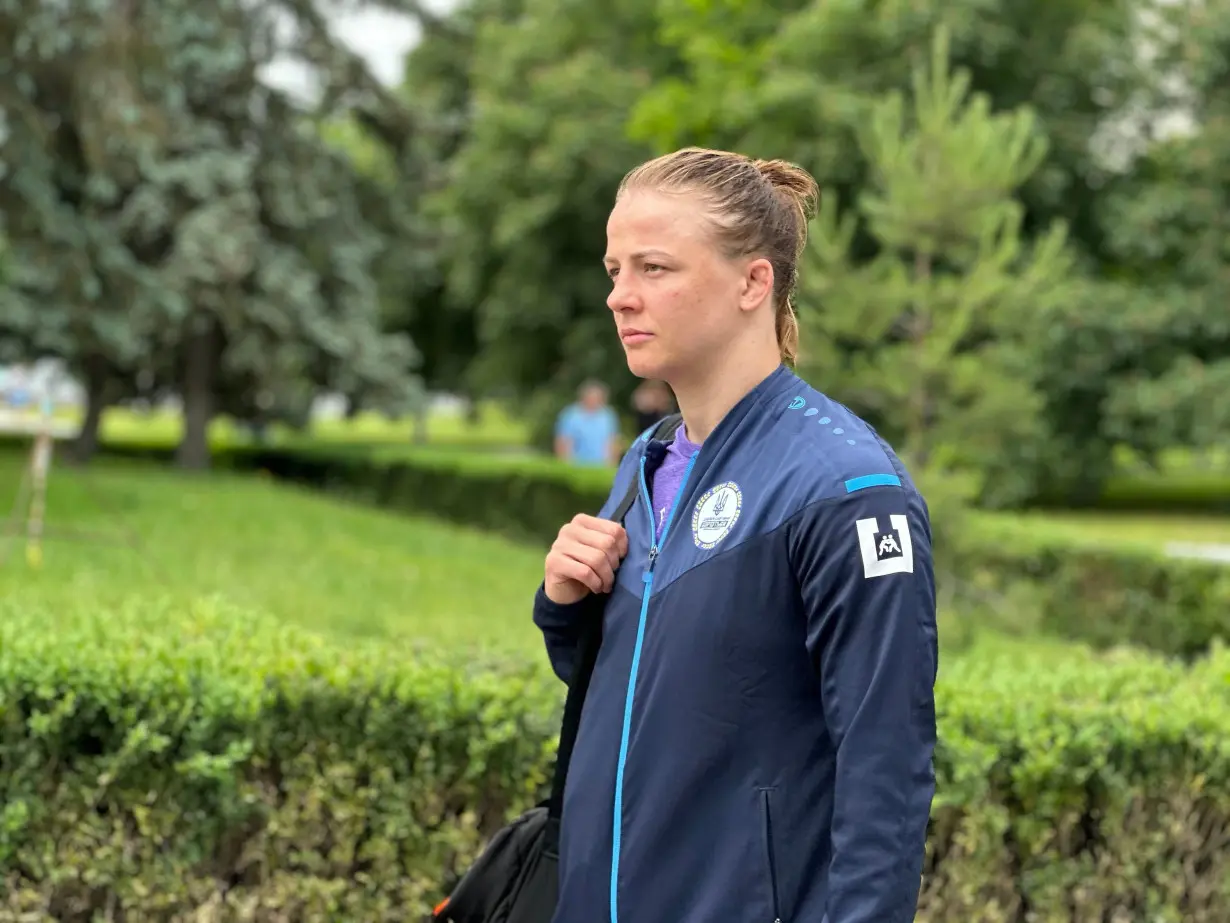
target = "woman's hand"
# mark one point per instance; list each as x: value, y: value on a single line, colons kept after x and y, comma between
x: 584, y: 558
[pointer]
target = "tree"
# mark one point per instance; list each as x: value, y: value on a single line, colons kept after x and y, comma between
x: 172, y: 214
x: 522, y: 216
x: 408, y: 170
x: 793, y: 80
x: 1140, y: 357
x: 800, y: 86
x: 1168, y: 231
x: 936, y: 316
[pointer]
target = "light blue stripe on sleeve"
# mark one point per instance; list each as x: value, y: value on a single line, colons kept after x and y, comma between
x: 872, y: 480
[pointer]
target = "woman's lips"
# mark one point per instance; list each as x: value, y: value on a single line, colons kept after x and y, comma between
x: 632, y: 337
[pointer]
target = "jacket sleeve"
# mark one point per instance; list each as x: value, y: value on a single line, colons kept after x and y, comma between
x: 865, y: 572
x: 561, y: 631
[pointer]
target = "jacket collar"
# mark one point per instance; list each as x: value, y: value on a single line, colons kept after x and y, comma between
x: 755, y: 402
x: 774, y: 385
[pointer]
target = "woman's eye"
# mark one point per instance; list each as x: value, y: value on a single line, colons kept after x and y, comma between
x: 650, y: 267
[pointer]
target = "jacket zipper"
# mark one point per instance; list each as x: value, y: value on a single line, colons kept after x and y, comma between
x: 768, y: 845
x: 654, y: 547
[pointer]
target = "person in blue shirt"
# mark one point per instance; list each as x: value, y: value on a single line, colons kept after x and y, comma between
x: 587, y: 432
x: 757, y: 739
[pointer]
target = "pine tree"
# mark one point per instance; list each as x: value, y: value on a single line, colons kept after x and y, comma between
x: 925, y: 332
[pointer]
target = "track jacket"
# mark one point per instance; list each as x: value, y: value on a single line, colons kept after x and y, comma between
x: 756, y: 742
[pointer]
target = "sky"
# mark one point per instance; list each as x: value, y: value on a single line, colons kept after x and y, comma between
x: 382, y: 39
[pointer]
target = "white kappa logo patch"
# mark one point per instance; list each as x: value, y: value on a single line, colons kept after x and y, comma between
x: 887, y: 552
x: 716, y: 513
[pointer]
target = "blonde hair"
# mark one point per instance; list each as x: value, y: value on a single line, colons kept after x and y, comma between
x: 756, y: 206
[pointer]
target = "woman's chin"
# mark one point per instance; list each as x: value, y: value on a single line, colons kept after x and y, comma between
x: 644, y: 360
x: 644, y: 366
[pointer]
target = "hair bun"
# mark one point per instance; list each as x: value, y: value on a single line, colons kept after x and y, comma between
x: 792, y: 181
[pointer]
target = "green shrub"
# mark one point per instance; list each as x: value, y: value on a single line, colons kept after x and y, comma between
x: 1081, y: 790
x: 208, y: 765
x: 158, y: 765
x: 1099, y: 594
x: 526, y: 499
x: 1196, y: 491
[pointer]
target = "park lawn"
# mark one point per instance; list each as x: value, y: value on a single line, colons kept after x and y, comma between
x: 342, y: 570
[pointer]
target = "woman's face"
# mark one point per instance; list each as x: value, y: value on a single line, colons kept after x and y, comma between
x: 678, y: 301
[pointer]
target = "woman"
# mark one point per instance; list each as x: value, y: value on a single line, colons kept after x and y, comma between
x: 757, y: 738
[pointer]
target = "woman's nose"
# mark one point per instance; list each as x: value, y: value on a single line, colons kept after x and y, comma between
x: 621, y: 298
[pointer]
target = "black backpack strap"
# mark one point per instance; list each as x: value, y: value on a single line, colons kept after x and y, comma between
x: 587, y: 656
x: 665, y: 429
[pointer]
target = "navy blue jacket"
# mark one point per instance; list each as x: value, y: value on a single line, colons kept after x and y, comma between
x: 756, y: 742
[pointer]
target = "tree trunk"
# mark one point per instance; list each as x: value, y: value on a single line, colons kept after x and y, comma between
x: 85, y: 445
x: 197, y: 392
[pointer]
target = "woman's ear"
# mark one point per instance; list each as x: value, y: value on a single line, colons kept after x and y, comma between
x: 757, y: 284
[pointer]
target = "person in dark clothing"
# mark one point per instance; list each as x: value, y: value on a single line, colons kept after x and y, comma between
x: 652, y: 400
x: 757, y: 739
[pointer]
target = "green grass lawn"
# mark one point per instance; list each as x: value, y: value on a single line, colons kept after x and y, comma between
x: 307, y: 559
x: 174, y: 543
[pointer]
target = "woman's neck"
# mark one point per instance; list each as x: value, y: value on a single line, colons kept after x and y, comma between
x: 706, y: 398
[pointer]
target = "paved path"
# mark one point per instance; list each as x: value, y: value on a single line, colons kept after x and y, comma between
x: 1199, y: 551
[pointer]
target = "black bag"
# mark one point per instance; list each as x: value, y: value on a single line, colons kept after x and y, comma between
x: 516, y: 879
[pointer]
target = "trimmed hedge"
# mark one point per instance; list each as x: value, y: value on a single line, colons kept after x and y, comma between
x: 1081, y: 790
x: 1101, y: 595
x: 214, y: 766
x: 1199, y: 492
x: 210, y: 765
x: 526, y: 498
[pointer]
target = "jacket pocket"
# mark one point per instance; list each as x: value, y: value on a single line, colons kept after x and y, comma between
x: 766, y: 812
